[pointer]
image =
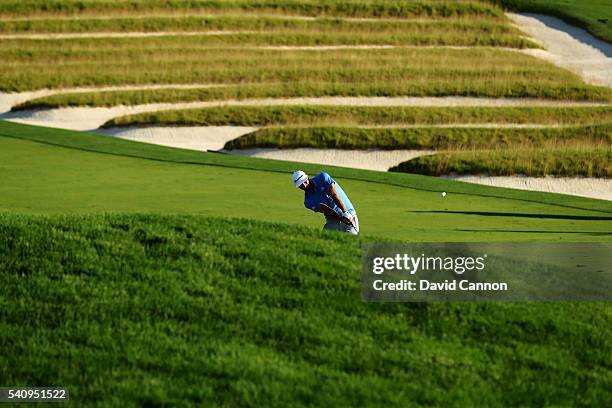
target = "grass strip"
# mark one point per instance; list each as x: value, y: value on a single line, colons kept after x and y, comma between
x: 203, y: 40
x: 419, y: 138
x: 481, y: 72
x: 431, y: 87
x: 350, y: 8
x: 291, y: 90
x: 571, y: 161
x: 20, y: 52
x: 345, y: 115
x: 246, y: 46
x: 261, y: 23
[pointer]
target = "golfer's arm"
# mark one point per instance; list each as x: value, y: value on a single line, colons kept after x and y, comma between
x: 327, y: 210
x: 336, y: 198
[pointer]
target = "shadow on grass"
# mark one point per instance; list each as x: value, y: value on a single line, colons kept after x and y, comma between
x: 593, y: 233
x: 522, y: 215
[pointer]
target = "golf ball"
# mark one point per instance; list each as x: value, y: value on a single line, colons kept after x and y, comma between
x: 443, y: 194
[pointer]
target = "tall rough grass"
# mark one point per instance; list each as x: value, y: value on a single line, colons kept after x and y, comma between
x: 579, y: 160
x: 351, y: 8
x: 480, y: 72
x: 438, y: 26
x: 421, y: 138
x: 348, y: 116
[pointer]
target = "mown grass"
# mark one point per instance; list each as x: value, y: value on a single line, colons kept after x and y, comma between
x: 351, y: 8
x: 197, y: 311
x: 593, y: 15
x: 347, y: 116
x: 572, y: 161
x: 419, y: 138
x: 58, y: 171
x: 477, y: 72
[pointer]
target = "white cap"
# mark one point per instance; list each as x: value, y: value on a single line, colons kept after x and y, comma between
x: 299, y: 177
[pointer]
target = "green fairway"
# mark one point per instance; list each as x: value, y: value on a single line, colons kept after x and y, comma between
x: 132, y: 311
x: 48, y: 177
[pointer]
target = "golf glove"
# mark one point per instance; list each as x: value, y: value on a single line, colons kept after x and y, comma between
x: 350, y: 217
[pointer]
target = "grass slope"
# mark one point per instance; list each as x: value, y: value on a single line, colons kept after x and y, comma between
x: 422, y: 138
x: 350, y: 8
x: 475, y: 25
x: 147, y: 310
x: 571, y: 161
x: 249, y: 32
x: 58, y: 171
x: 353, y: 115
x: 432, y: 72
x: 300, y: 89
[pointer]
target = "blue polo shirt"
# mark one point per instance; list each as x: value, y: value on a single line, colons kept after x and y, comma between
x: 319, y: 194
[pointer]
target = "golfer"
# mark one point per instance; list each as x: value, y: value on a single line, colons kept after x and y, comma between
x: 322, y: 194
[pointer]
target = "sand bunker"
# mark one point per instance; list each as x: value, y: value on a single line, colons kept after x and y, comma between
x: 204, y: 138
x: 586, y: 187
x: 201, y: 138
x: 379, y: 160
x: 8, y: 100
x: 568, y: 47
x: 85, y: 118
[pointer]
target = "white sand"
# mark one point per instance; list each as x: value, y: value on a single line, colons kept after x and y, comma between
x: 380, y: 160
x: 8, y: 100
x: 86, y: 118
x: 201, y: 138
x: 568, y: 47
x: 586, y: 187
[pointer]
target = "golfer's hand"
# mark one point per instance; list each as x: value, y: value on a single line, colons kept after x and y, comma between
x: 347, y: 218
